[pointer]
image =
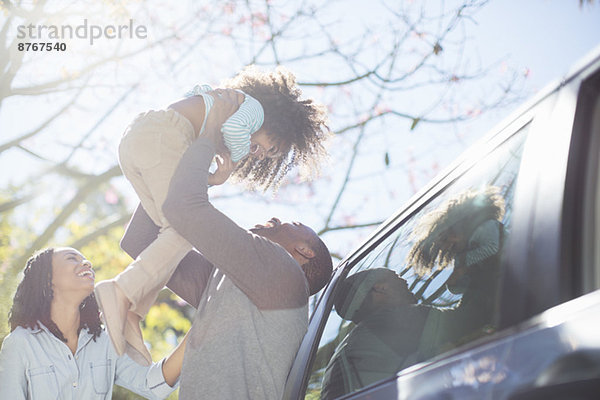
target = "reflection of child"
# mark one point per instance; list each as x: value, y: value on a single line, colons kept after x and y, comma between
x: 466, y: 230
x: 482, y: 244
x: 272, y: 131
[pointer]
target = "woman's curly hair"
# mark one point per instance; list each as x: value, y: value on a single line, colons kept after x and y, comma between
x: 462, y: 213
x: 298, y: 126
x: 31, y: 304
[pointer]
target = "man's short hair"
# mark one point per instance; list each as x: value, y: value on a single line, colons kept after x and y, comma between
x: 318, y: 269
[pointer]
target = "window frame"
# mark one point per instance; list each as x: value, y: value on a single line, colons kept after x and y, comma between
x: 543, y: 260
x: 581, y: 225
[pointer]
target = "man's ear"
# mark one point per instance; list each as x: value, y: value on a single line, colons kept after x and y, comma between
x: 304, y: 250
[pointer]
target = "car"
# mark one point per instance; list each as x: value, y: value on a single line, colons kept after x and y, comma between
x: 486, y: 284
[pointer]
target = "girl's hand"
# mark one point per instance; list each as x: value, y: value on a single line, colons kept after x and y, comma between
x: 224, y: 169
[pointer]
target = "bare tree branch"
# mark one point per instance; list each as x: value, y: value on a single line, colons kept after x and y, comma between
x: 67, y: 210
x: 52, y: 85
x: 17, y: 141
x: 119, y: 222
x: 347, y: 227
x: 99, y: 122
x: 10, y: 205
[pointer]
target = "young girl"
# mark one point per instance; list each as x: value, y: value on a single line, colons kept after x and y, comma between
x: 272, y: 131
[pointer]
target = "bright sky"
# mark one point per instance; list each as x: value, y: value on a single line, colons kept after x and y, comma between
x: 542, y: 37
x: 546, y: 36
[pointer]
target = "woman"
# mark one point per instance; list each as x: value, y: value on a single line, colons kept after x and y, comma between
x: 57, y: 348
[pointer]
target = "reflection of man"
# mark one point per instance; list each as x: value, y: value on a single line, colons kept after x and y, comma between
x: 389, y: 325
x: 248, y: 286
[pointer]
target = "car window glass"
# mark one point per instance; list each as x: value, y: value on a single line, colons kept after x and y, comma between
x: 431, y: 286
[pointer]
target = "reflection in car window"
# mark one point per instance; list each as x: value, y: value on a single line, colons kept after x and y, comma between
x: 431, y: 286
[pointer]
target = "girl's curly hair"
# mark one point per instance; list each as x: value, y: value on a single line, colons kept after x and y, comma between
x: 298, y: 126
x: 462, y: 213
x: 31, y: 304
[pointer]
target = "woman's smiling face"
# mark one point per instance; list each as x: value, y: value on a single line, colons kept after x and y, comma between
x: 71, y: 272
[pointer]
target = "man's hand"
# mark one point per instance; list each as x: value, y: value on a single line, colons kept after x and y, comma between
x: 224, y: 169
x: 227, y: 101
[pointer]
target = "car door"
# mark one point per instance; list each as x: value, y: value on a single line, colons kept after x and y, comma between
x: 485, y: 284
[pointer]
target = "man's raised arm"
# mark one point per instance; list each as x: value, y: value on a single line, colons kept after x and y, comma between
x: 263, y: 270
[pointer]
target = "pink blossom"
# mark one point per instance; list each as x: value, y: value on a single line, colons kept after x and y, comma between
x: 111, y: 197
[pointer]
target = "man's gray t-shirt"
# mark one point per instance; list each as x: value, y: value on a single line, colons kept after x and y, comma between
x: 237, y: 351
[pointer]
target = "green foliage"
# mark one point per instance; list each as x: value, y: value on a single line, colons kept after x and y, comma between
x: 313, y: 394
x: 105, y: 254
x: 163, y: 327
x: 12, y: 239
x: 414, y: 123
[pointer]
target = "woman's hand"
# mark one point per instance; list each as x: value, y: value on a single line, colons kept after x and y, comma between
x: 224, y: 169
x: 171, y: 367
x: 227, y: 101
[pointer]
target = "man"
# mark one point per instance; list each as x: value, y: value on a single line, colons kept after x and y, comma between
x: 250, y: 288
x: 388, y: 334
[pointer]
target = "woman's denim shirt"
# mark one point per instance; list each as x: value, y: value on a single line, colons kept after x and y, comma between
x: 35, y: 364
